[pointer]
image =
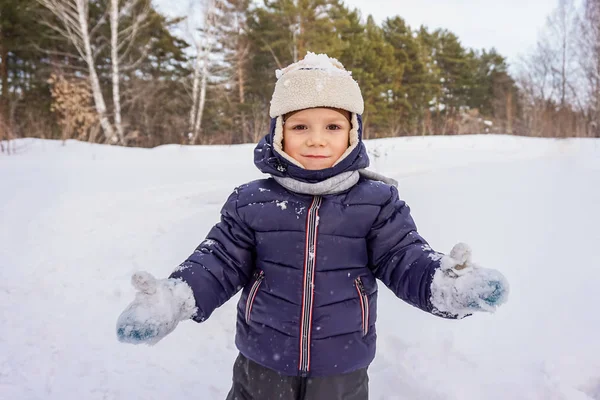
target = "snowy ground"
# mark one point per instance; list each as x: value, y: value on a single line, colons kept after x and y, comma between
x: 77, y: 220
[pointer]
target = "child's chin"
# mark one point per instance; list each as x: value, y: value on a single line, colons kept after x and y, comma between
x: 317, y: 166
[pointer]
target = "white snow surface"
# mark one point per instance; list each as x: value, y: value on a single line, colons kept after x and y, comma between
x: 77, y: 220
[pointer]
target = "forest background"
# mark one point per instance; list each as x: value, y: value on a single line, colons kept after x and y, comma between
x: 120, y: 72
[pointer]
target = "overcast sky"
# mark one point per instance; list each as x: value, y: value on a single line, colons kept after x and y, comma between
x: 511, y: 26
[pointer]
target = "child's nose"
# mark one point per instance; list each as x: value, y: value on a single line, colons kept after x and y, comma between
x: 317, y: 137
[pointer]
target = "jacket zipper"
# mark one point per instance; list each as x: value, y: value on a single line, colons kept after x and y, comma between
x: 252, y: 295
x: 310, y: 252
x: 364, y: 305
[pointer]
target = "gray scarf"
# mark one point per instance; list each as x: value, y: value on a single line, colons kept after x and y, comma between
x: 335, y: 184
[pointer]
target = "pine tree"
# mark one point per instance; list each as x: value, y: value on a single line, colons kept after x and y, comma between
x: 24, y: 70
x: 492, y: 84
x: 414, y: 93
x: 456, y: 66
x: 279, y: 33
x: 371, y: 60
x: 451, y: 69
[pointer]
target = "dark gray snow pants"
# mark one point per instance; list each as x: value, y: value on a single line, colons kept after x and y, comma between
x: 252, y: 381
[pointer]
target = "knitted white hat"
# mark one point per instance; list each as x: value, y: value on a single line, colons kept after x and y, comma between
x: 315, y: 81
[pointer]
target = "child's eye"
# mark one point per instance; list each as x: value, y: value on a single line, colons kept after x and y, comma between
x: 299, y: 127
x: 333, y: 127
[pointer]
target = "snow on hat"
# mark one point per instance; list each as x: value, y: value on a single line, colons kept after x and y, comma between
x: 315, y: 81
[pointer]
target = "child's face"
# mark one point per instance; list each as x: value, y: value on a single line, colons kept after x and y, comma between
x: 316, y: 137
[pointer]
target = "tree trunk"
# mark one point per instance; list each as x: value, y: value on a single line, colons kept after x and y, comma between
x: 509, y: 116
x: 204, y: 48
x: 82, y: 13
x: 4, y: 98
x: 201, y: 103
x: 5, y: 125
x: 563, y: 72
x: 565, y: 8
x: 195, y: 86
x: 4, y: 68
x: 114, y: 43
x: 241, y: 89
x: 241, y: 77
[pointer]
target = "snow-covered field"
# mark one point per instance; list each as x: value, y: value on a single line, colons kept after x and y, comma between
x: 77, y: 220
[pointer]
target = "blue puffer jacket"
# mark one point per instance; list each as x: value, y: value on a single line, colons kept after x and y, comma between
x: 308, y: 266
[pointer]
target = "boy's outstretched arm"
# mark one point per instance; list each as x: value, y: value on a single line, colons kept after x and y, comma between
x: 449, y: 286
x: 222, y: 264
x: 218, y: 268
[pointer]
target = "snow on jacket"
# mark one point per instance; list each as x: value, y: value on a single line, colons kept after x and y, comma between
x: 307, y: 266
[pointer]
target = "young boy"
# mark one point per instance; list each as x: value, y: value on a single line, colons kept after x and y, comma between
x: 306, y: 246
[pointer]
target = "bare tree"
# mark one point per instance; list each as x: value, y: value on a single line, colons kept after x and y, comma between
x: 589, y: 62
x: 235, y: 48
x: 114, y: 51
x: 204, y: 39
x: 559, y: 38
x: 547, y: 76
x: 121, y: 43
x: 3, y: 65
x: 7, y: 126
x: 73, y: 16
x: 5, y: 129
x: 261, y: 122
x: 5, y: 134
x: 241, y: 59
x: 535, y: 80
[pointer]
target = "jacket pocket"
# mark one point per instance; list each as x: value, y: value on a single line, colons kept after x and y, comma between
x: 252, y: 294
x: 364, y: 305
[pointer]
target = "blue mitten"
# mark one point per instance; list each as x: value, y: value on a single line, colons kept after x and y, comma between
x: 158, y: 307
x: 460, y: 287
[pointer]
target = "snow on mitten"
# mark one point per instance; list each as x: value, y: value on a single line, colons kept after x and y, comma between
x: 158, y: 307
x: 460, y: 287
